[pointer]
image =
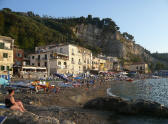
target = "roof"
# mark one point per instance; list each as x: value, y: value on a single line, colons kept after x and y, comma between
x: 6, y: 38
x: 137, y: 63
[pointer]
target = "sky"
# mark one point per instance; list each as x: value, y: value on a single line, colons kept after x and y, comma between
x: 146, y: 20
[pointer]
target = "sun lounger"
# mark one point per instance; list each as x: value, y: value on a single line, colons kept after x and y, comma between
x: 2, y: 106
x: 2, y: 119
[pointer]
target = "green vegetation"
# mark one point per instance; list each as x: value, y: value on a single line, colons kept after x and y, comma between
x: 128, y: 36
x: 30, y: 30
x: 161, y: 56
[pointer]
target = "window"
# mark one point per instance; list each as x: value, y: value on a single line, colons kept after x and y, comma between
x: 59, y: 63
x: 65, y: 63
x: 32, y: 57
x: 79, y: 68
x: 72, y: 60
x: 38, y: 64
x: 38, y: 57
x: 45, y: 56
x: 141, y: 68
x: 51, y: 55
x: 2, y: 68
x: 32, y: 63
x: 61, y: 50
x: 2, y: 45
x: 19, y: 55
x: 72, y: 51
x: 7, y: 68
x: 5, y: 55
x: 88, y: 61
x: 45, y: 64
x: 137, y: 67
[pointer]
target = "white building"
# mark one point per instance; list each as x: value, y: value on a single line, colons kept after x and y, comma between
x: 63, y: 58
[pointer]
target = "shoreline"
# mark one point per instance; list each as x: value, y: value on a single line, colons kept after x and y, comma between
x: 68, y: 106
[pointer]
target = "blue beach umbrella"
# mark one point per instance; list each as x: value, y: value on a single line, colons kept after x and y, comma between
x: 3, y: 81
x: 78, y: 78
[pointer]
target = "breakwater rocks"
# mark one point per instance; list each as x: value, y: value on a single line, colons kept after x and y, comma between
x: 126, y: 107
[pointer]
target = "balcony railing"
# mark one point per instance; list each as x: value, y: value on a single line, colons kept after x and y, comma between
x: 72, y: 62
x: 79, y: 63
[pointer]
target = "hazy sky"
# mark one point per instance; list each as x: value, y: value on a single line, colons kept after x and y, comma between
x: 146, y: 20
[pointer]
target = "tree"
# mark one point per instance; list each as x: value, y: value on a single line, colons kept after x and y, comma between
x: 7, y: 10
x: 159, y: 66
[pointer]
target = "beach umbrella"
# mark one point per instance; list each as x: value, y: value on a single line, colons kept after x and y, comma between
x: 78, y: 78
x: 3, y: 81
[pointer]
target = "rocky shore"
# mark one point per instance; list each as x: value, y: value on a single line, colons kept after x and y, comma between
x: 120, y: 106
x: 82, y: 106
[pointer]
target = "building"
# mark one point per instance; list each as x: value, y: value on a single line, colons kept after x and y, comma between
x: 95, y: 63
x: 79, y: 58
x: 101, y: 64
x: 63, y: 58
x: 18, y: 55
x: 59, y: 63
x: 32, y: 72
x: 6, y: 56
x: 138, y: 67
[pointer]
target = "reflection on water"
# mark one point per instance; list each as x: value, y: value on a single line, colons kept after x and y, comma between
x: 149, y: 89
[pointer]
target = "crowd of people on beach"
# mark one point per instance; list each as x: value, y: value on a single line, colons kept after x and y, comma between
x: 49, y: 86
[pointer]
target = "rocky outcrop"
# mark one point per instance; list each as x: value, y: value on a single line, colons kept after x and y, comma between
x: 120, y: 106
x: 112, y: 43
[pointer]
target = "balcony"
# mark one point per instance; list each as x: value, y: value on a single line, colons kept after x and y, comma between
x: 79, y: 63
x: 72, y: 62
x: 43, y: 58
x: 38, y: 59
x: 73, y: 54
x: 4, y: 47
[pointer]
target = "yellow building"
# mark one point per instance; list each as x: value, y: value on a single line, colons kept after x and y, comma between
x: 6, y: 56
x: 102, y: 66
x: 99, y: 64
x: 95, y: 63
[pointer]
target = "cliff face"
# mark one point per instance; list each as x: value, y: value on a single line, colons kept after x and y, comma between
x: 112, y: 44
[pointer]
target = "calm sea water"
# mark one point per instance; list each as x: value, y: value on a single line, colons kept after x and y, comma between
x: 149, y: 89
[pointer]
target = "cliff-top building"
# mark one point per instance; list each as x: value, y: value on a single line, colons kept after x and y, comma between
x: 6, y: 56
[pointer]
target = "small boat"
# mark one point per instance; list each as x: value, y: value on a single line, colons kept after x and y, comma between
x: 130, y: 79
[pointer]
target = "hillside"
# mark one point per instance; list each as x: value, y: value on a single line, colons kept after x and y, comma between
x: 100, y: 35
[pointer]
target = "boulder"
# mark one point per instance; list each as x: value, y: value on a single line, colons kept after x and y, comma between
x: 118, y: 105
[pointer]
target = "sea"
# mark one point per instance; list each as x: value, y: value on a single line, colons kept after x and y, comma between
x: 148, y: 89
